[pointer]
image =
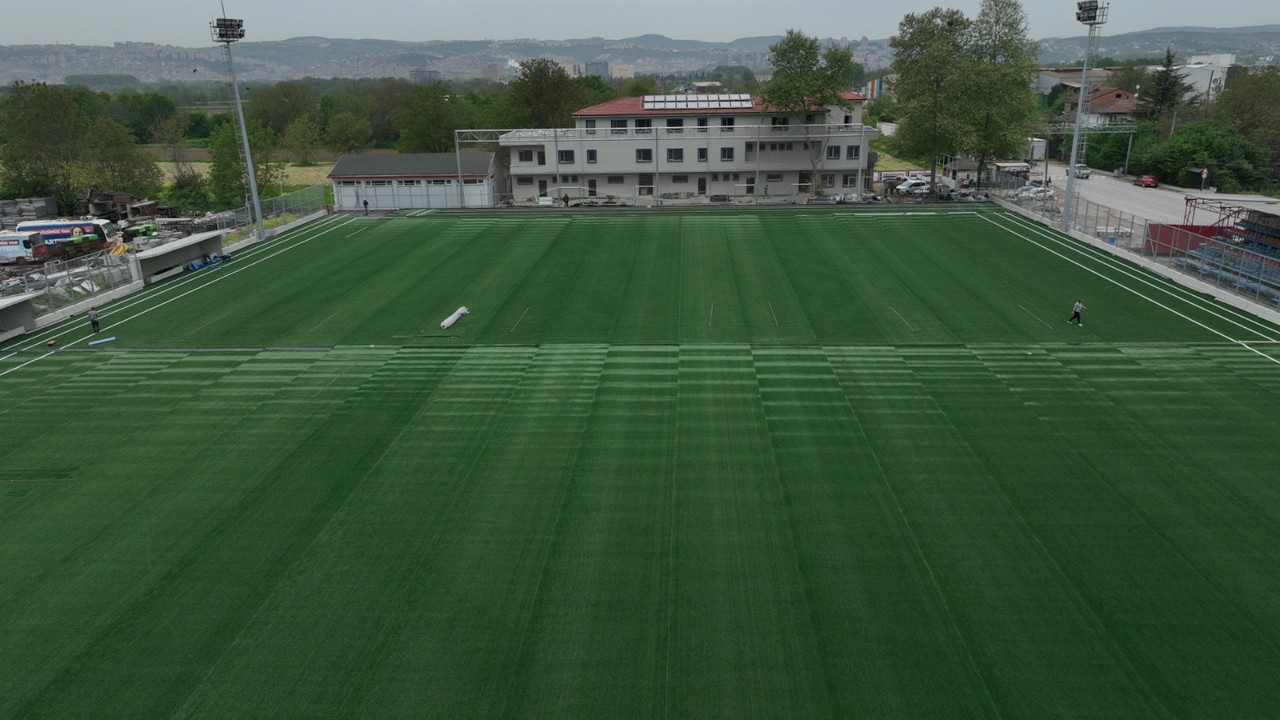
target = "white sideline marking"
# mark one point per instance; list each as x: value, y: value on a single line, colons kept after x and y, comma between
x: 139, y: 314
x: 1149, y: 299
x: 1166, y: 285
x: 1036, y: 317
x: 904, y: 320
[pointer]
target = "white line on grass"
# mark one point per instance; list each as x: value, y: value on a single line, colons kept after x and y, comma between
x: 1148, y: 298
x: 774, y: 314
x: 1236, y: 317
x: 904, y: 320
x: 1036, y: 317
x: 139, y: 314
x: 712, y: 315
x: 60, y: 328
x: 513, y: 327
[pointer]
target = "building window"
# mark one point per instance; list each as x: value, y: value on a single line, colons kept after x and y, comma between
x: 377, y: 183
x: 591, y: 156
x: 675, y: 155
x: 542, y: 157
x: 849, y: 181
x: 618, y: 127
x: 409, y: 183
x: 675, y: 125
x: 644, y: 126
x: 715, y: 177
x: 565, y: 157
x: 726, y: 154
x: 683, y: 179
x: 590, y: 125
x: 702, y: 124
x: 853, y: 152
x: 833, y: 152
x: 615, y: 180
x: 644, y: 155
x: 829, y: 180
x: 780, y: 122
x: 702, y: 154
x: 525, y: 156
x: 773, y: 177
x: 524, y: 181
x: 726, y: 124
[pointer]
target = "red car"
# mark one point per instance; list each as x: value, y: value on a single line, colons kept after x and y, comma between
x: 1146, y: 181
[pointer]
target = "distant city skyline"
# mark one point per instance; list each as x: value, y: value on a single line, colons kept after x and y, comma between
x: 185, y: 23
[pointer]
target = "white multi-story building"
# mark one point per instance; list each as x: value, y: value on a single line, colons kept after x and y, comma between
x: 681, y: 146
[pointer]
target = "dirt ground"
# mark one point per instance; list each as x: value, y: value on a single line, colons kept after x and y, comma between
x: 316, y: 174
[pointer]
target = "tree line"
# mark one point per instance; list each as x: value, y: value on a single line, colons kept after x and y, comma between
x: 960, y: 86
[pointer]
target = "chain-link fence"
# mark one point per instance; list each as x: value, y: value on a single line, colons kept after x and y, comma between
x: 276, y: 211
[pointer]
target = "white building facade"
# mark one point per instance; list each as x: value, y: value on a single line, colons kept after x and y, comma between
x: 686, y: 146
x: 414, y: 181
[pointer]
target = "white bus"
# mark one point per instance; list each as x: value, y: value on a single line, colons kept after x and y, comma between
x: 72, y: 237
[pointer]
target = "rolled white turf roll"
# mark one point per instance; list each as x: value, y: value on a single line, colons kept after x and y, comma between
x: 449, y: 321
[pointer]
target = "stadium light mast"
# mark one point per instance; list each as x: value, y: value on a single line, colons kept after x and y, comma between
x: 227, y: 31
x: 1093, y: 14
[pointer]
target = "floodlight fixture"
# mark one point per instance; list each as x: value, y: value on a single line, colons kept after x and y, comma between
x: 1091, y: 12
x: 227, y: 31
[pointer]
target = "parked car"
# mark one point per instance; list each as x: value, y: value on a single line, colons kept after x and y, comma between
x: 913, y: 186
x: 1080, y: 171
x: 1146, y: 181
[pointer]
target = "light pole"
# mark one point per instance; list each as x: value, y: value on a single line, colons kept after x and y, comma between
x: 227, y: 31
x: 1093, y: 14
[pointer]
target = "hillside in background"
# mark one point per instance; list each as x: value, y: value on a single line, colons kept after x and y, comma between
x: 466, y: 59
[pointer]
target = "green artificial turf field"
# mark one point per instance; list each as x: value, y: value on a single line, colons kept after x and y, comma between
x: 788, y: 463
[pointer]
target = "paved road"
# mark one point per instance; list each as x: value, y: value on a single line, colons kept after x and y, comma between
x: 1162, y: 204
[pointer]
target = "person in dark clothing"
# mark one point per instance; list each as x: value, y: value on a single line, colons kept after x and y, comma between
x: 93, y: 318
x: 366, y: 207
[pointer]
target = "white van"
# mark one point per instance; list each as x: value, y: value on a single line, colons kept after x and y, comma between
x: 1081, y: 171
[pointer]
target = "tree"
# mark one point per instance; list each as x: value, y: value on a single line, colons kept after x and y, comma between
x: 1250, y: 102
x: 806, y: 79
x: 347, y: 132
x: 228, y: 176
x: 1233, y: 161
x: 1166, y: 93
x: 425, y: 120
x: 141, y: 111
x: 1000, y: 64
x: 543, y: 95
x: 929, y: 61
x: 302, y: 137
x: 57, y: 141
x: 277, y: 106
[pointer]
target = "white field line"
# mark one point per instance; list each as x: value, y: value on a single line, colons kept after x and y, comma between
x: 904, y: 320
x: 1148, y: 298
x: 140, y: 313
x: 1042, y: 322
x: 57, y: 329
x: 1236, y: 317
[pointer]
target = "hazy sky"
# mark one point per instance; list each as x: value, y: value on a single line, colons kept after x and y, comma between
x: 186, y: 23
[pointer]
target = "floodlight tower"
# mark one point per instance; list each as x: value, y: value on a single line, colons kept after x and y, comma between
x: 227, y: 31
x: 1093, y: 14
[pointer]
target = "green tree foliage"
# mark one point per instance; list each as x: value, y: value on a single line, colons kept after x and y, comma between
x: 302, y: 137
x: 57, y: 141
x: 140, y: 112
x: 276, y: 107
x: 1250, y: 103
x: 808, y: 76
x: 228, y: 177
x: 930, y: 52
x: 425, y: 120
x: 1167, y: 91
x: 594, y: 91
x: 735, y: 79
x: 543, y: 95
x: 1001, y: 62
x: 1233, y: 161
x: 384, y: 97
x: 347, y: 132
x: 638, y: 87
x: 805, y: 74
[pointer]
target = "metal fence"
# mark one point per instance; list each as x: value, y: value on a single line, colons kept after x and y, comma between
x: 59, y: 284
x: 1236, y: 264
x: 276, y: 211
